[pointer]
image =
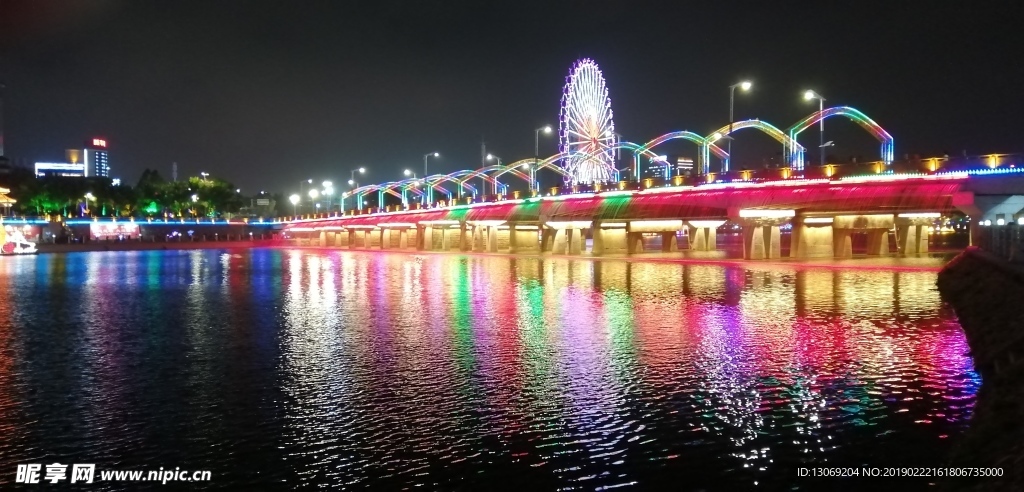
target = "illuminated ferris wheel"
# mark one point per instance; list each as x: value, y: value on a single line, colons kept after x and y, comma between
x: 586, y: 130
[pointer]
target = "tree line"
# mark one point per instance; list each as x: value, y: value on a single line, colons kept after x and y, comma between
x: 152, y: 196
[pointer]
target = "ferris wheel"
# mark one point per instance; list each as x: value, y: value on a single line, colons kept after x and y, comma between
x: 586, y: 130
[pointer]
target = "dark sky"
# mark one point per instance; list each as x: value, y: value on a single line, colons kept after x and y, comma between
x: 265, y: 94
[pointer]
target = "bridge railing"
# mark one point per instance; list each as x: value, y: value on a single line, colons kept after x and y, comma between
x: 1005, y: 241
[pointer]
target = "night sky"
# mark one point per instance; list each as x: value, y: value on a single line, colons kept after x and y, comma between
x: 266, y: 94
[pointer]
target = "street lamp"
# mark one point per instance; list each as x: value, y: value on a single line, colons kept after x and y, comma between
x: 425, y: 156
x: 204, y: 175
x: 295, y: 204
x: 536, y: 154
x: 405, y: 199
x: 744, y: 86
x: 491, y: 157
x: 352, y: 175
x: 429, y: 197
x: 808, y: 95
x: 328, y: 191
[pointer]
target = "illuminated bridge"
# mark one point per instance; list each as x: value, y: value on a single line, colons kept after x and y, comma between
x: 824, y: 212
x: 598, y: 212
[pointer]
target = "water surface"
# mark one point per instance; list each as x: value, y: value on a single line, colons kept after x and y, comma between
x: 288, y: 368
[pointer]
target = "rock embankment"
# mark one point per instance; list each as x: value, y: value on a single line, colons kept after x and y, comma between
x: 987, y: 294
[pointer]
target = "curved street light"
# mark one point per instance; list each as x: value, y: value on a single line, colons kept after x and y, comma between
x: 536, y: 154
x: 809, y: 95
x: 744, y: 86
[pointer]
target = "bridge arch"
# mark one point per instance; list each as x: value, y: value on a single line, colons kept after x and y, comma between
x: 791, y: 150
x: 685, y: 135
x: 449, y: 178
x: 857, y: 117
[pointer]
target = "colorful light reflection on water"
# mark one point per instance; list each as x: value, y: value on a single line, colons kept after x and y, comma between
x: 277, y: 368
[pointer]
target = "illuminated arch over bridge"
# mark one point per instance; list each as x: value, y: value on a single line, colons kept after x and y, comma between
x: 792, y: 151
x: 684, y: 135
x: 857, y: 117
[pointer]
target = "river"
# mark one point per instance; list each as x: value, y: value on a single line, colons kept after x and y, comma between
x: 281, y: 369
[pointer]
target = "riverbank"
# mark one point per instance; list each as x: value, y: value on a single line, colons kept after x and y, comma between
x: 986, y: 293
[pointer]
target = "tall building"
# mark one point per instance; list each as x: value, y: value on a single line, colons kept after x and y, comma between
x: 96, y: 158
x: 88, y: 162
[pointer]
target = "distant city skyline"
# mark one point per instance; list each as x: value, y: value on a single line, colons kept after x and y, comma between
x: 266, y: 93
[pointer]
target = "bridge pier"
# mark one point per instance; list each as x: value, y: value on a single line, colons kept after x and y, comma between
x: 446, y: 238
x: 762, y: 239
x: 485, y: 238
x: 702, y: 234
x: 384, y: 241
x: 812, y: 238
x: 913, y: 238
x: 356, y: 237
x: 568, y: 241
x: 609, y: 238
x: 669, y: 242
x: 523, y: 238
x: 425, y: 238
x: 876, y: 226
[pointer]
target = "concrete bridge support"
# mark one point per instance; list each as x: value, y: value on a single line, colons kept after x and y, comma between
x: 383, y: 238
x: 425, y: 238
x: 568, y: 241
x: 669, y: 242
x: 761, y: 240
x: 523, y: 239
x: 465, y: 237
x: 876, y: 227
x: 812, y: 238
x: 357, y: 238
x: 609, y: 240
x: 912, y: 235
x: 341, y: 239
x: 394, y: 238
x: 634, y: 242
x: 447, y: 237
x: 702, y: 234
x: 485, y: 238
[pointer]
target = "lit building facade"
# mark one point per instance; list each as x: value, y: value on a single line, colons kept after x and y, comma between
x: 96, y: 158
x: 93, y: 160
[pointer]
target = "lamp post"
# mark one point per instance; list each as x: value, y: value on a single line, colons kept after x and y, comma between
x: 405, y: 188
x: 328, y: 191
x: 492, y: 157
x: 301, y: 183
x: 204, y: 175
x: 313, y: 194
x: 295, y: 204
x: 352, y: 174
x: 536, y: 154
x: 430, y: 191
x: 808, y: 95
x: 744, y: 86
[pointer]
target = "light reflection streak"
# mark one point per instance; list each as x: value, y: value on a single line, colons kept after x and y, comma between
x: 405, y: 370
